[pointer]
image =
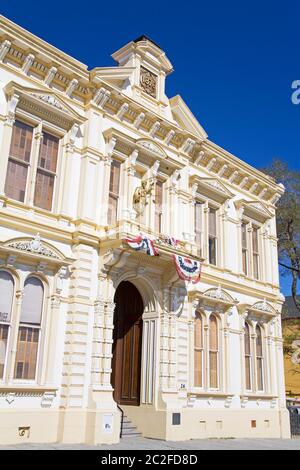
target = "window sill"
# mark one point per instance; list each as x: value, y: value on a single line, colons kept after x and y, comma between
x: 258, y: 395
x: 209, y: 393
x: 27, y: 387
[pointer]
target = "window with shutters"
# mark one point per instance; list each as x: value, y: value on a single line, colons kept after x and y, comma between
x: 46, y: 172
x: 213, y: 352
x: 31, y: 170
x: 19, y: 161
x: 198, y: 351
x: 158, y: 206
x: 250, y: 249
x: 259, y: 359
x: 248, y: 373
x: 114, y: 188
x: 255, y: 253
x: 7, y: 287
x: 29, y: 329
x: 212, y: 236
x: 244, y: 248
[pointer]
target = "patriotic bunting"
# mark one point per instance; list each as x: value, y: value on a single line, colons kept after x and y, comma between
x: 187, y: 269
x: 142, y: 243
x: 172, y: 241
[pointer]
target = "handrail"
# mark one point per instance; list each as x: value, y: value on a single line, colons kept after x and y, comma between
x: 122, y: 419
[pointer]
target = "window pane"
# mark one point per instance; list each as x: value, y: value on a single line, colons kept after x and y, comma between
x: 32, y: 303
x: 16, y: 178
x: 3, y: 346
x: 213, y: 352
x: 212, y: 222
x: 248, y: 372
x: 255, y: 240
x: 213, y: 333
x: 158, y: 205
x: 198, y: 368
x: 44, y: 190
x: 198, y: 332
x: 112, y: 210
x: 259, y: 374
x: 213, y: 369
x: 198, y: 351
x: 21, y: 141
x: 114, y: 186
x: 258, y: 342
x: 198, y: 213
x: 245, y: 262
x: 48, y: 152
x: 247, y: 357
x: 114, y: 182
x: 259, y: 358
x: 212, y: 250
x: 255, y: 266
x: 244, y: 235
x: 6, y: 295
x: 27, y: 349
x: 247, y: 339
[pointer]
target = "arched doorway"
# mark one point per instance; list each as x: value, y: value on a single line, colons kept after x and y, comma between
x: 127, y: 344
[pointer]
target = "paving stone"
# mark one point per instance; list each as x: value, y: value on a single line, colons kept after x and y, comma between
x: 140, y: 443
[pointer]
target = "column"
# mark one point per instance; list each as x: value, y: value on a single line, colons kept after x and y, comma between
x: 69, y: 187
x: 14, y: 333
x: 164, y: 346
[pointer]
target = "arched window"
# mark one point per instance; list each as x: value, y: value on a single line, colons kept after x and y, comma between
x: 213, y: 352
x: 198, y: 351
x: 247, y: 357
x: 29, y: 329
x: 259, y: 358
x: 6, y: 302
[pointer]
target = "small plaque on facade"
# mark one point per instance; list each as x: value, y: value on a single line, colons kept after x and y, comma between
x: 176, y: 419
x: 148, y: 82
x: 108, y: 423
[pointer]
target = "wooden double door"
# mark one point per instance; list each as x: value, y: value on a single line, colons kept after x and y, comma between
x: 127, y: 344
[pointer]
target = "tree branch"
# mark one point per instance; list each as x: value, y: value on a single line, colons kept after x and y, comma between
x: 289, y: 267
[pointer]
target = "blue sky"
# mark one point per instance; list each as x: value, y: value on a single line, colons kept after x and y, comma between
x: 234, y: 62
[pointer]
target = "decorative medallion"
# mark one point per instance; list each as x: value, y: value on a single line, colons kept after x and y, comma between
x: 148, y: 82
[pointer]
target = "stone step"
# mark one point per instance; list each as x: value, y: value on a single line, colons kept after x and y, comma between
x: 129, y: 429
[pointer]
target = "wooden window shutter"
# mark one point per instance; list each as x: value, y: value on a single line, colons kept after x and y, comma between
x: 18, y: 162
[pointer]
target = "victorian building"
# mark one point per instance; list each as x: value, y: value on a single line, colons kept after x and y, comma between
x: 138, y: 259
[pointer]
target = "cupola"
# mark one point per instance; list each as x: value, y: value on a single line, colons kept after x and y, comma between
x: 151, y: 66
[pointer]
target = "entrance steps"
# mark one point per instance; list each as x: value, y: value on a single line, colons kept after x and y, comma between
x: 129, y: 429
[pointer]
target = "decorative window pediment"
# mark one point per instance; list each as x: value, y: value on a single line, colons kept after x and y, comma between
x: 33, y: 248
x: 151, y: 147
x: 260, y: 311
x: 254, y: 209
x: 215, y: 298
x: 212, y: 187
x: 45, y: 104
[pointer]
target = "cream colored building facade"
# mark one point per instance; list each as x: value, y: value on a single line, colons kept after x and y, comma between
x: 88, y: 159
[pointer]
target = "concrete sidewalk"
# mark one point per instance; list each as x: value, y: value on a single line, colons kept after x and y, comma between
x: 152, y: 444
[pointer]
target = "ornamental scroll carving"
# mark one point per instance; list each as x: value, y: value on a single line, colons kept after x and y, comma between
x: 34, y: 246
x: 148, y: 82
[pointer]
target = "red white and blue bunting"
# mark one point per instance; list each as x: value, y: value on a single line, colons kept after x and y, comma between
x: 188, y: 269
x: 142, y: 243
